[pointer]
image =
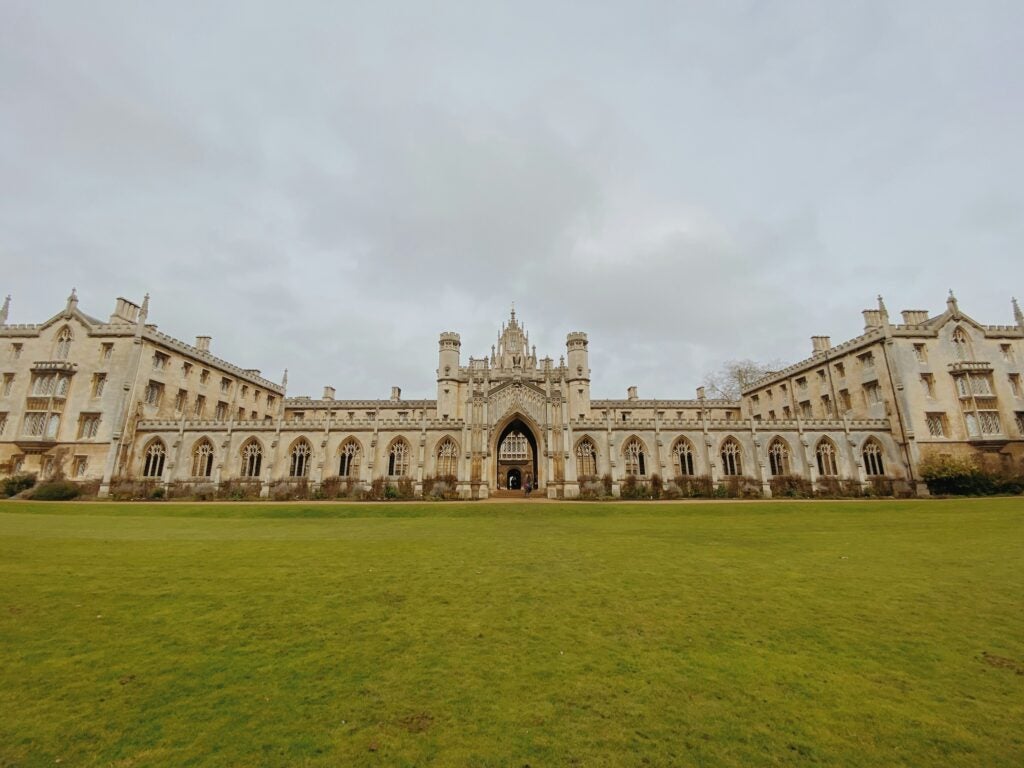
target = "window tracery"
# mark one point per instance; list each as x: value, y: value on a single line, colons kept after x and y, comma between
x: 252, y: 458
x: 299, y: 459
x: 64, y: 339
x: 348, y: 465
x: 732, y: 461
x: 825, y: 453
x: 515, y: 447
x: 447, y: 458
x: 398, y: 458
x: 156, y: 453
x: 682, y: 451
x: 636, y: 461
x: 586, y: 458
x: 873, y: 461
x: 778, y: 457
x: 202, y: 459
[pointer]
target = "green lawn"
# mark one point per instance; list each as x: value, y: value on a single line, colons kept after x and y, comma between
x: 847, y: 633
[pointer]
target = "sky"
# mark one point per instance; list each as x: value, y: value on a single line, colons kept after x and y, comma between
x: 326, y: 187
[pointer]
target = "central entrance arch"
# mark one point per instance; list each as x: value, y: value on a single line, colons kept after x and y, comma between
x: 517, y: 456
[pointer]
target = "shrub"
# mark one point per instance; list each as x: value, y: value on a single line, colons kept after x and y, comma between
x: 738, y: 487
x: 695, y: 486
x: 960, y: 476
x: 15, y: 484
x: 56, y: 490
x: 239, y: 490
x: 879, y: 486
x: 791, y: 487
x: 134, y: 490
x: 592, y: 487
x: 634, y: 488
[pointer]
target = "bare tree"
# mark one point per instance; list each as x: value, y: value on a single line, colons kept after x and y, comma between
x: 735, y: 375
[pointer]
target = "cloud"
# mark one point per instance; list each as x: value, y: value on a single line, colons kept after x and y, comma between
x: 329, y: 186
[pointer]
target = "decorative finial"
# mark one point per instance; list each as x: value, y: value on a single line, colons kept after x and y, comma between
x: 951, y: 303
x: 883, y: 313
x: 144, y: 310
x: 5, y: 310
x: 1017, y: 315
x: 284, y: 379
x: 72, y: 300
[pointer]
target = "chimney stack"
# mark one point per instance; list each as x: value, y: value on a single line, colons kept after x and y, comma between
x: 203, y: 343
x: 914, y: 316
x: 820, y: 344
x: 396, y: 394
x: 328, y: 393
x: 631, y: 393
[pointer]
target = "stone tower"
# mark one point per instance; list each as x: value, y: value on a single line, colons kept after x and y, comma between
x: 449, y: 346
x: 578, y: 375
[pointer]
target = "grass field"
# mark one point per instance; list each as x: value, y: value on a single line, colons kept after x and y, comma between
x: 847, y: 633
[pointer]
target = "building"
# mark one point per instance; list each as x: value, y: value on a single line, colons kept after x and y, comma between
x: 116, y: 400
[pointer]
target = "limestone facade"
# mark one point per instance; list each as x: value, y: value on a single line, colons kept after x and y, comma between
x: 116, y: 399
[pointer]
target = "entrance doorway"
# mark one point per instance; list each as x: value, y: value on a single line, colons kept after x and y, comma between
x: 517, y: 453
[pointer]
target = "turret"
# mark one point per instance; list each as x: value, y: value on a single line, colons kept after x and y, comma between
x: 449, y: 346
x: 578, y: 375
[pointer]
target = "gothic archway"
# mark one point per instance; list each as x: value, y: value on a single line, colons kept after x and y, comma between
x: 516, y: 448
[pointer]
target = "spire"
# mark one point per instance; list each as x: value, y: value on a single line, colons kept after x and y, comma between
x: 513, y: 320
x: 284, y: 379
x: 6, y: 309
x: 72, y: 301
x: 883, y: 313
x: 1017, y: 315
x: 144, y: 311
x: 951, y: 304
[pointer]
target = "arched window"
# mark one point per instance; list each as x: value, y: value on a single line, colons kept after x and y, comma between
x: 515, y: 447
x: 682, y: 453
x: 348, y: 466
x: 732, y: 461
x: 64, y: 339
x: 778, y: 457
x: 825, y: 453
x: 873, y: 464
x: 636, y: 461
x: 586, y: 458
x: 252, y: 458
x: 447, y: 458
x: 298, y: 465
x: 962, y: 344
x: 398, y: 458
x: 202, y: 459
x: 156, y: 453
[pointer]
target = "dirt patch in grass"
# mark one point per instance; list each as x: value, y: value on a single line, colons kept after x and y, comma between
x: 1001, y: 662
x: 417, y: 723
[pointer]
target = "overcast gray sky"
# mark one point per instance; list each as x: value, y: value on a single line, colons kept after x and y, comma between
x: 327, y: 186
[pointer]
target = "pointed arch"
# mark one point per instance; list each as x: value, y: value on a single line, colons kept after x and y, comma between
x: 732, y: 457
x: 874, y: 457
x: 962, y: 344
x: 586, y: 457
x: 252, y: 457
x: 202, y: 458
x: 825, y: 454
x: 446, y: 458
x: 299, y: 456
x: 154, y: 457
x: 349, y: 456
x: 778, y: 457
x: 682, y: 456
x: 398, y: 457
x: 63, y: 346
x: 634, y: 454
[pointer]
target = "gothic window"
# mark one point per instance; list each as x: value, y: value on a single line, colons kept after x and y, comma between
x: 299, y: 462
x: 64, y: 339
x: 683, y: 453
x: 962, y: 344
x: 202, y: 459
x: 447, y: 458
x: 873, y: 463
x: 155, y: 455
x: 398, y: 458
x: 778, y: 457
x: 514, y: 447
x: 349, y: 463
x: 88, y: 425
x: 732, y: 462
x: 636, y: 461
x: 825, y: 453
x: 586, y: 458
x: 252, y: 458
